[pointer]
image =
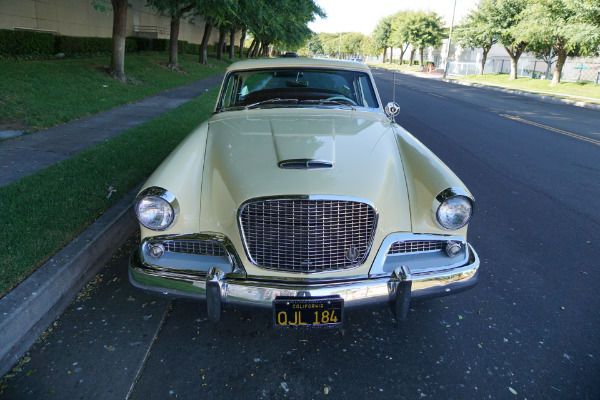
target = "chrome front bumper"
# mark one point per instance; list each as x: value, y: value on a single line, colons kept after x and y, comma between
x: 397, y: 290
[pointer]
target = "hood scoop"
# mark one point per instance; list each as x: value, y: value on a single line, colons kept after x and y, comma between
x: 305, y: 163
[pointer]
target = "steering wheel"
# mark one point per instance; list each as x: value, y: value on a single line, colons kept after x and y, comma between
x: 342, y: 98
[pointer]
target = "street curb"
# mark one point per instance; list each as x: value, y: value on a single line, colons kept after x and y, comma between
x: 547, y: 99
x: 31, y: 307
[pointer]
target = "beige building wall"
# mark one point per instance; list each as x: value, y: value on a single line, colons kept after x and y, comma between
x: 79, y: 18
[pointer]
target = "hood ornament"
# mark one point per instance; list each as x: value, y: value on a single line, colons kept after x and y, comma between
x: 391, y: 110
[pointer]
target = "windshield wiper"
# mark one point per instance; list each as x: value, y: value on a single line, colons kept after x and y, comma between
x: 276, y: 100
x: 325, y: 102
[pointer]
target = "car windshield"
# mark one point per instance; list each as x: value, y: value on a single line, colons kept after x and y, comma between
x: 293, y: 87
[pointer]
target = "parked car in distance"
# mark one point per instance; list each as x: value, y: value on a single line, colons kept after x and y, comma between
x: 290, y: 54
x: 300, y: 195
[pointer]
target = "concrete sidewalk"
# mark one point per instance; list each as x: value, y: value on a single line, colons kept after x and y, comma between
x: 31, y: 307
x: 27, y: 154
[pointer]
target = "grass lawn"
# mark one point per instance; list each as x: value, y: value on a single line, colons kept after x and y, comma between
x: 565, y: 89
x: 42, y: 212
x: 40, y: 94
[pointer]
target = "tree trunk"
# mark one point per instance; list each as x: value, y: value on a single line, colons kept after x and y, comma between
x: 174, y: 36
x: 222, y: 35
x: 412, y: 55
x: 486, y: 50
x: 242, y: 40
x: 232, y: 43
x: 117, y: 59
x: 263, y: 49
x: 204, y: 45
x: 256, y: 49
x: 515, y: 52
x: 421, y: 57
x: 513, y: 68
x: 391, y: 54
x: 384, y: 53
x: 560, y: 62
x: 173, y: 50
x: 251, y: 48
x: 402, y: 52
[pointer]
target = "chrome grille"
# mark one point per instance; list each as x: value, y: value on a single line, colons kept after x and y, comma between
x: 307, y: 235
x: 416, y: 246
x: 200, y: 247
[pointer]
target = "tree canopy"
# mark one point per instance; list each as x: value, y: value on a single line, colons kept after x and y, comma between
x: 280, y: 21
x: 268, y: 21
x: 566, y: 27
x: 381, y: 35
x: 424, y: 30
x: 478, y: 29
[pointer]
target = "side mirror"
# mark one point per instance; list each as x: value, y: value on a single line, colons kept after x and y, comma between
x: 391, y: 110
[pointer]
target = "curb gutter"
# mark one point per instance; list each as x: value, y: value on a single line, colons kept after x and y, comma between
x: 28, y: 310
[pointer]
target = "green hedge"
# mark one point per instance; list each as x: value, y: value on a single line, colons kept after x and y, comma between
x: 83, y: 45
x: 148, y: 44
x: 25, y: 42
x: 18, y: 43
x: 141, y: 43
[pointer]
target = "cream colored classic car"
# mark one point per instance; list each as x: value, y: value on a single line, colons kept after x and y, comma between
x: 302, y: 196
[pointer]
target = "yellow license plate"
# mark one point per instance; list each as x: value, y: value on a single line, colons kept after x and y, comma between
x: 308, y: 313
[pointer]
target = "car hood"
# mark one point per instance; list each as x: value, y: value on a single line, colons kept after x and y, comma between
x: 244, y: 149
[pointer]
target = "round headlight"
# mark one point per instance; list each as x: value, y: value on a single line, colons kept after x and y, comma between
x: 455, y: 212
x: 154, y: 212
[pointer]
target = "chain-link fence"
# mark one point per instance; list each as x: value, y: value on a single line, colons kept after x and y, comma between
x: 574, y: 70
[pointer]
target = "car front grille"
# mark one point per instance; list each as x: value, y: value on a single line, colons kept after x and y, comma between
x: 307, y: 235
x: 416, y: 246
x: 199, y: 247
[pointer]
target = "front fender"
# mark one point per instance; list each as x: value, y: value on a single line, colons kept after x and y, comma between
x: 426, y: 176
x: 184, y: 165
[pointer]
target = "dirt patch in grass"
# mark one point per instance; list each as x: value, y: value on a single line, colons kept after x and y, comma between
x: 165, y: 64
x: 14, y: 126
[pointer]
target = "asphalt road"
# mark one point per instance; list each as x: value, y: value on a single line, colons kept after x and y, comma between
x: 528, y: 330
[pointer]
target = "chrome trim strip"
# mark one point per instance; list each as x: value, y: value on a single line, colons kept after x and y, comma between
x: 382, y: 254
x: 447, y: 282
x: 364, y: 292
x: 232, y: 255
x: 305, y: 163
x: 307, y: 197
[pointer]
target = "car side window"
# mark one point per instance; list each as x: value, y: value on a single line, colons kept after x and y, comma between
x: 367, y: 94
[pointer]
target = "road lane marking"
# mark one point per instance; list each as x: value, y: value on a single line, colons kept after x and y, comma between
x: 549, y: 128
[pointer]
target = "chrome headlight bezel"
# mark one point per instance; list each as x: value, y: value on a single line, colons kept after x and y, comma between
x: 444, y: 200
x: 164, y: 200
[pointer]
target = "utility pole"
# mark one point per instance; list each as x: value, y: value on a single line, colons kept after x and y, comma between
x: 449, y: 41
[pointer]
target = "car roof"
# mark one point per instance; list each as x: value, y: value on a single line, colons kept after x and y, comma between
x: 287, y: 62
